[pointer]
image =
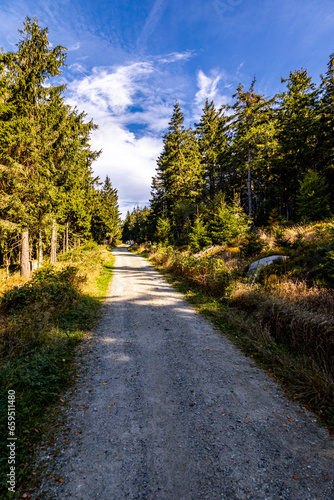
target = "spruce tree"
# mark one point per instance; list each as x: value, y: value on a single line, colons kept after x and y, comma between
x: 26, y: 176
x: 297, y: 131
x: 253, y: 135
x: 313, y: 197
x: 179, y: 175
x: 210, y: 144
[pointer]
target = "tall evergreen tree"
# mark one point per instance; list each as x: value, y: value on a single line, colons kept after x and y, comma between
x: 25, y: 174
x: 179, y: 174
x: 326, y: 133
x: 210, y: 143
x: 297, y: 115
x: 252, y: 135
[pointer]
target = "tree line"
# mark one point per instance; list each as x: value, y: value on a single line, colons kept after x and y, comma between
x: 49, y: 197
x: 258, y: 159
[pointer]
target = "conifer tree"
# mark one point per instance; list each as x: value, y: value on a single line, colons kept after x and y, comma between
x: 253, y: 134
x: 105, y: 218
x: 210, y: 143
x: 313, y: 197
x: 25, y: 175
x: 326, y: 133
x: 297, y: 131
x: 179, y: 174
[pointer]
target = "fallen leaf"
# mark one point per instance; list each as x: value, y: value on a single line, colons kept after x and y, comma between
x: 223, y: 411
x: 290, y: 419
x: 246, y: 422
x: 284, y: 425
x: 264, y: 388
x: 36, y: 430
x: 105, y: 383
x: 61, y: 480
x: 295, y: 476
x: 77, y: 432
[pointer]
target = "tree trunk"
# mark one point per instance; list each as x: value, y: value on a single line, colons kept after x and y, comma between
x: 40, y: 248
x: 249, y: 185
x: 25, y: 264
x: 7, y: 263
x: 53, y: 251
x: 66, y: 238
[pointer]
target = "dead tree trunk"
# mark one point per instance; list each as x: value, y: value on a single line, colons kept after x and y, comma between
x: 40, y: 248
x: 53, y: 251
x: 249, y: 184
x: 25, y: 263
x: 66, y: 238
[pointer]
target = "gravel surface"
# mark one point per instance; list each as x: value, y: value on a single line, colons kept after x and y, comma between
x: 168, y: 409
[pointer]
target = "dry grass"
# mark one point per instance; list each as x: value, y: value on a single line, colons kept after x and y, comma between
x: 295, y: 315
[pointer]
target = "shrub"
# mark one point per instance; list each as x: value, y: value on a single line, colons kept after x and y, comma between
x: 48, y: 286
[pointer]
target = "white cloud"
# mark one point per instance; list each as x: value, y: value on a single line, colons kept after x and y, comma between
x: 209, y: 88
x: 177, y: 56
x: 75, y: 46
x: 132, y: 105
x: 119, y: 98
x: 113, y: 89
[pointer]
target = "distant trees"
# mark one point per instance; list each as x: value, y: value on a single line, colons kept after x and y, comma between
x: 46, y: 182
x: 245, y: 164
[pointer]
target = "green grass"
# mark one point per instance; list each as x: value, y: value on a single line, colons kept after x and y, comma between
x: 45, y: 320
x: 103, y: 280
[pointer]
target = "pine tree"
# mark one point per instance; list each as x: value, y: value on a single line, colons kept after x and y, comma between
x: 326, y: 132
x: 253, y: 140
x: 210, y: 143
x: 179, y: 175
x: 228, y: 222
x: 25, y: 176
x: 199, y: 237
x: 297, y: 115
x: 313, y: 197
x: 106, y: 217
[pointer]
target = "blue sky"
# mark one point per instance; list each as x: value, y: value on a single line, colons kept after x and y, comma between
x: 128, y: 61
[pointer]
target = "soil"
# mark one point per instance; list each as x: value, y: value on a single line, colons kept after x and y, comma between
x: 169, y: 409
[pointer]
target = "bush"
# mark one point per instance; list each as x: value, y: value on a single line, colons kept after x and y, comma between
x: 47, y: 287
x: 252, y: 245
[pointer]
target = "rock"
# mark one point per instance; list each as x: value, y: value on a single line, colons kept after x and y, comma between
x: 254, y: 267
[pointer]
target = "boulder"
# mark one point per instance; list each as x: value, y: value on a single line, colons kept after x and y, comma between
x: 254, y: 267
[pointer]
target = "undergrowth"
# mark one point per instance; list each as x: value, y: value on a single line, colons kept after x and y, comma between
x: 285, y: 326
x: 43, y: 320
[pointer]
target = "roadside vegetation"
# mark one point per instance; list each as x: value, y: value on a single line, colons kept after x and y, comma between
x: 284, y: 319
x: 43, y: 319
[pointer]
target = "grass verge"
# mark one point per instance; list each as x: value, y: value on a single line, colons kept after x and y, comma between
x: 43, y: 320
x: 300, y: 376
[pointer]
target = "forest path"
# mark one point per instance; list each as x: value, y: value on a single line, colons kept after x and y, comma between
x: 176, y: 412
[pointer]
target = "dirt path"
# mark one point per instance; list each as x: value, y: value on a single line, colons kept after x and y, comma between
x: 177, y: 413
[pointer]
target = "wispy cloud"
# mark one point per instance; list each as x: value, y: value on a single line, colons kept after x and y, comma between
x: 151, y: 22
x: 177, y: 56
x: 209, y: 87
x: 132, y: 105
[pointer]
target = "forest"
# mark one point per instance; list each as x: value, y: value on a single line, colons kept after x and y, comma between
x: 50, y: 199
x: 254, y: 162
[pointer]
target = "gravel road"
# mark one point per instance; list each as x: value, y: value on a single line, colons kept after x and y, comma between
x: 168, y: 409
